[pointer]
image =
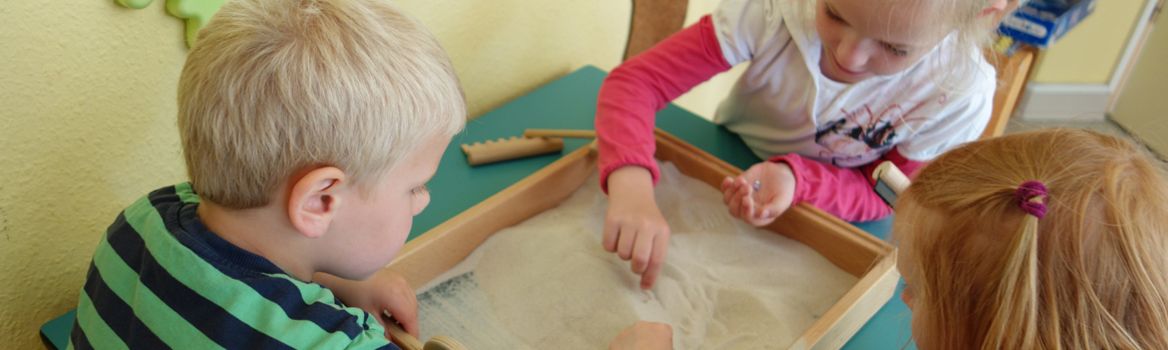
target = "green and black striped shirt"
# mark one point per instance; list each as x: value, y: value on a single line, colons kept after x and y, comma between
x: 160, y: 279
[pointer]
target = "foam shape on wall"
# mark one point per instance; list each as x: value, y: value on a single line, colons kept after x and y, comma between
x: 195, y: 13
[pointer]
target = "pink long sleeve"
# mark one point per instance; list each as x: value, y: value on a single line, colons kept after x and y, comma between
x: 633, y: 93
x: 844, y: 192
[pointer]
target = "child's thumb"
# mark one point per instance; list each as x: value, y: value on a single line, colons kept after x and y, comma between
x: 768, y: 214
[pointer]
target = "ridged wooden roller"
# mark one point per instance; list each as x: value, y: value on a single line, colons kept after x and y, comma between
x: 511, y: 148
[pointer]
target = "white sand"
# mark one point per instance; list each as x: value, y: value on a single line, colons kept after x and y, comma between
x: 548, y: 284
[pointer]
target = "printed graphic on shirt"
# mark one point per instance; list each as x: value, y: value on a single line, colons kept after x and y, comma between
x: 859, y: 136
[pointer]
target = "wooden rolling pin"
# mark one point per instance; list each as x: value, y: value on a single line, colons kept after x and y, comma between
x: 533, y: 143
x: 503, y: 149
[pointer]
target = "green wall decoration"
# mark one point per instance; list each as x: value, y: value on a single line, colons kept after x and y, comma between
x: 195, y: 13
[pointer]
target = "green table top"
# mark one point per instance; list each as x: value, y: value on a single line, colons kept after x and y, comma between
x: 570, y: 103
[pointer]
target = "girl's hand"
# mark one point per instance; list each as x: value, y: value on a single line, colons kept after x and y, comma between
x: 384, y: 291
x: 633, y: 226
x: 760, y: 207
x: 644, y: 336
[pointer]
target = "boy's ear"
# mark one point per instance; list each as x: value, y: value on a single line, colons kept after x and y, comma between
x: 998, y: 7
x: 314, y: 200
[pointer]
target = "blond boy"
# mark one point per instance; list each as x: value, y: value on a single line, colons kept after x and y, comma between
x: 309, y: 129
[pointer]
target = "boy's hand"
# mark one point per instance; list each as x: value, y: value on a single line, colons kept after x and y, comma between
x: 633, y: 226
x: 389, y: 291
x: 644, y: 335
x: 384, y: 291
x: 775, y: 191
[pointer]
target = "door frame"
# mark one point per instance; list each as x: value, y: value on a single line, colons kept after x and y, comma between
x: 1131, y: 52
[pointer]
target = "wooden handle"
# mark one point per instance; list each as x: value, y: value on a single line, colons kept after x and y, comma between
x: 891, y: 176
x: 564, y: 133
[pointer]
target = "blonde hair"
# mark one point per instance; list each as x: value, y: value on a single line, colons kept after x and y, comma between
x: 274, y: 86
x: 1091, y: 274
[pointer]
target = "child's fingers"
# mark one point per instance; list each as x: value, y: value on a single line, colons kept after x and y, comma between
x: 411, y: 309
x: 656, y: 259
x: 732, y: 190
x: 393, y: 331
x: 747, y: 206
x: 777, y: 203
x: 642, y: 252
x: 766, y: 214
x: 727, y: 190
x: 624, y: 246
x: 744, y: 190
x: 398, y: 299
x: 762, y: 210
x: 611, y: 229
x: 407, y: 318
x: 764, y: 220
x: 774, y: 208
x: 735, y: 205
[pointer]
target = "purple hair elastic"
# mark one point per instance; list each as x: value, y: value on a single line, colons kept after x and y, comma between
x: 1025, y: 195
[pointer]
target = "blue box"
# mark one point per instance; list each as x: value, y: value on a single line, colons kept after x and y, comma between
x: 1041, y: 22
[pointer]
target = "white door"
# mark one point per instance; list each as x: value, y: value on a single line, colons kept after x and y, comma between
x: 1142, y: 107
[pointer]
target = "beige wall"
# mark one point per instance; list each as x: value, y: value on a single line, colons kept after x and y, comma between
x: 1090, y: 52
x: 88, y: 118
x: 89, y: 105
x: 504, y: 48
x: 87, y: 125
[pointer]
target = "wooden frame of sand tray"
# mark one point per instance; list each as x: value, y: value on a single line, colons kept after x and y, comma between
x: 871, y: 260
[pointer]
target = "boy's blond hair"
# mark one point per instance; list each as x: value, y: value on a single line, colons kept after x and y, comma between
x: 1092, y: 273
x: 275, y: 86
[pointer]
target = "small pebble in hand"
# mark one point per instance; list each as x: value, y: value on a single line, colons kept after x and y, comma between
x: 756, y: 185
